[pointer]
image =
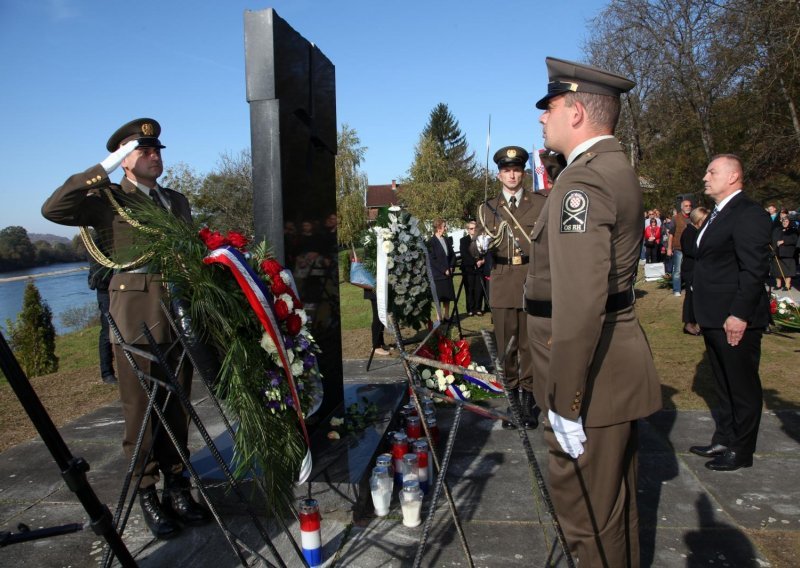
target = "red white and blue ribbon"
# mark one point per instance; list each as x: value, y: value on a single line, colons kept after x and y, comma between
x: 454, y: 392
x: 260, y: 300
x: 490, y: 386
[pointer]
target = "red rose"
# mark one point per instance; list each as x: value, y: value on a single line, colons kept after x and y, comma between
x: 446, y: 357
x: 281, y: 310
x: 237, y: 239
x: 271, y: 268
x: 204, y: 233
x: 279, y: 286
x: 773, y: 307
x: 293, y: 324
x: 216, y: 240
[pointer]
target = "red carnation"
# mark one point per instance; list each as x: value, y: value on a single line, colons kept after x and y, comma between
x: 446, y: 357
x: 293, y: 324
x: 271, y: 268
x: 279, y: 286
x: 215, y: 240
x: 463, y: 358
x: 237, y: 239
x: 281, y: 310
x: 204, y: 233
x: 773, y: 307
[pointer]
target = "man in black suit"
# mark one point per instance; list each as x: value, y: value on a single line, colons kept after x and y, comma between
x: 472, y: 272
x: 732, y: 308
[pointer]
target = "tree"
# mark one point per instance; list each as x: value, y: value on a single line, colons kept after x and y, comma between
x: 224, y: 197
x: 33, y: 337
x: 443, y: 128
x: 351, y: 186
x: 16, y: 249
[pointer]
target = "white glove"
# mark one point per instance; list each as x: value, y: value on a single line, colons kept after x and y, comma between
x: 482, y: 242
x: 569, y: 433
x: 114, y: 159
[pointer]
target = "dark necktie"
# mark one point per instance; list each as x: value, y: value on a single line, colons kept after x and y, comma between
x: 512, y: 203
x: 714, y: 214
x: 156, y: 199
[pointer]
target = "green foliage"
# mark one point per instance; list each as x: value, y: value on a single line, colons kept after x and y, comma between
x: 16, y: 249
x: 351, y: 186
x: 80, y: 317
x: 32, y: 337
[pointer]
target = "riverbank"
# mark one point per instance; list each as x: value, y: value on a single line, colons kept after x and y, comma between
x: 43, y: 274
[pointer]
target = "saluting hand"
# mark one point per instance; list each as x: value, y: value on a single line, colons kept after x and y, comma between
x: 114, y: 159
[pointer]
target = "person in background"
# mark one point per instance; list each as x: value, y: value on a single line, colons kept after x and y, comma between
x: 472, y: 272
x: 675, y: 245
x: 99, y: 279
x: 652, y: 241
x: 443, y: 260
x: 689, y: 248
x: 785, y: 239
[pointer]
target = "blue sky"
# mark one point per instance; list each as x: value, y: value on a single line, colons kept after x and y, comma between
x: 73, y: 71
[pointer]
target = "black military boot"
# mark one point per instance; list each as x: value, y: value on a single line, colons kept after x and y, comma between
x: 160, y: 523
x: 529, y: 420
x: 178, y: 501
x: 514, y: 395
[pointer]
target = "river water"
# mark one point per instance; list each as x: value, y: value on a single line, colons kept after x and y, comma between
x: 61, y: 291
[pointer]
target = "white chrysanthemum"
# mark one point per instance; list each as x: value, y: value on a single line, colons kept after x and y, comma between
x: 288, y: 299
x: 782, y: 311
x: 388, y: 246
x: 451, y: 379
x: 402, y: 249
x: 392, y: 279
x: 429, y: 383
x: 467, y: 394
x: 303, y: 316
x: 268, y: 345
x: 426, y: 374
x: 399, y: 300
x: 439, y: 374
x: 336, y: 421
x: 389, y: 263
x: 297, y: 367
x: 462, y: 388
x: 386, y: 233
x: 442, y: 384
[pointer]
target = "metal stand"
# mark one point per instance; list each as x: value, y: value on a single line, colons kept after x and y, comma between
x: 538, y: 488
x: 73, y: 469
x: 173, y: 389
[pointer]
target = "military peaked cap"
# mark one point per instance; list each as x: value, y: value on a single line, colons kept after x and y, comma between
x: 511, y: 156
x: 570, y: 77
x: 145, y: 130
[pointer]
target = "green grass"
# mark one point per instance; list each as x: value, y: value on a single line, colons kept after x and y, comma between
x: 76, y: 350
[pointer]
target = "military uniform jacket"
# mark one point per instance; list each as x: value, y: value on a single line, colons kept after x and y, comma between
x: 135, y: 297
x: 585, y: 246
x: 508, y: 279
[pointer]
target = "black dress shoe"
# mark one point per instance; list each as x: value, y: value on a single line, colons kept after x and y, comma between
x: 730, y: 461
x: 709, y: 451
x: 529, y: 420
x: 178, y: 502
x: 160, y: 523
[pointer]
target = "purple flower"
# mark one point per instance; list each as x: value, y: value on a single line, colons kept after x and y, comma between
x: 302, y: 342
x: 308, y: 361
x: 275, y: 382
x: 300, y: 385
x: 288, y: 342
x: 274, y: 405
x: 289, y: 401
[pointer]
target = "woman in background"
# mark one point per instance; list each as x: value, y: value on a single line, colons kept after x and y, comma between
x: 689, y: 247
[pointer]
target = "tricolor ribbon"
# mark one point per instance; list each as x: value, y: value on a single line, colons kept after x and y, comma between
x: 454, y: 392
x: 261, y: 302
x: 490, y: 386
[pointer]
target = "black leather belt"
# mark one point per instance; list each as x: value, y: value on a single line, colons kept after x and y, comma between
x: 614, y: 303
x: 499, y: 260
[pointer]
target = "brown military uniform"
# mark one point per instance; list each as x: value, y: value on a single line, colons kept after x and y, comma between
x: 508, y: 279
x: 135, y: 299
x: 592, y: 360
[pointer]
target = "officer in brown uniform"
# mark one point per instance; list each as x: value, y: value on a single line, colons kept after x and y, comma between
x: 90, y: 198
x: 593, y: 369
x: 505, y: 223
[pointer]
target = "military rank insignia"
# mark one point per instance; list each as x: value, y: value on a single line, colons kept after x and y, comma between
x: 574, y: 209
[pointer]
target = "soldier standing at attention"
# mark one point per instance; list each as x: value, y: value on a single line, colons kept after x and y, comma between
x: 90, y: 198
x: 505, y: 223
x: 593, y: 369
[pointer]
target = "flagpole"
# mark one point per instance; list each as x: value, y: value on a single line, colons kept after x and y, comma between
x: 486, y: 172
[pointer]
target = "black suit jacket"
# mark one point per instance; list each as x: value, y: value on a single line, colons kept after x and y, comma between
x: 731, y: 266
x: 467, y: 260
x: 441, y: 260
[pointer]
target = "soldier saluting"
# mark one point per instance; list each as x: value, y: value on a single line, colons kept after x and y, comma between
x: 505, y: 224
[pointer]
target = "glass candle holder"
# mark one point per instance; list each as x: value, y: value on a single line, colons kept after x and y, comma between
x: 413, y: 427
x: 433, y: 428
x: 410, y: 467
x: 381, y: 485
x: 411, y: 503
x: 310, y: 539
x: 423, y: 463
x: 385, y: 460
x: 399, y: 449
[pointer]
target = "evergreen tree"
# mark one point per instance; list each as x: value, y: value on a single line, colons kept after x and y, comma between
x: 443, y: 128
x: 33, y: 337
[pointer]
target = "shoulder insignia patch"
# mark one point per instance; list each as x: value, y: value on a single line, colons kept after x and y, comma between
x: 574, y: 209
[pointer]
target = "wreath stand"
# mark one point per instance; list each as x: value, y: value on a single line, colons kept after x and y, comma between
x: 173, y: 390
x: 73, y: 469
x: 417, y: 390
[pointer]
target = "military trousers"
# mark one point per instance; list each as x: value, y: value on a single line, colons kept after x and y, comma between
x: 510, y: 322
x: 595, y: 495
x: 134, y: 400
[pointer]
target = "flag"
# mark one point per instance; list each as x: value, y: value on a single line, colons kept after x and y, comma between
x: 538, y: 170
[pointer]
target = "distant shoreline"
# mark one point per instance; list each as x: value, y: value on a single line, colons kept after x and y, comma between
x: 43, y: 274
